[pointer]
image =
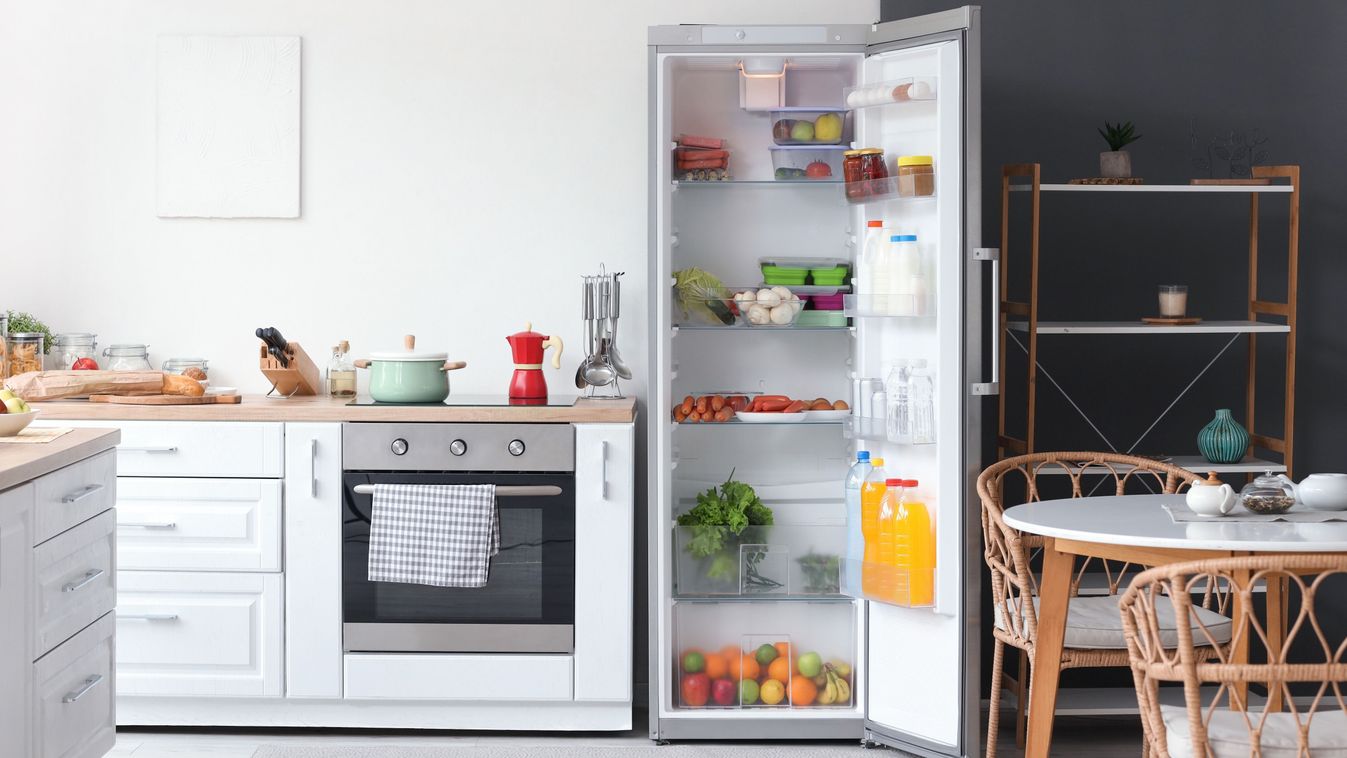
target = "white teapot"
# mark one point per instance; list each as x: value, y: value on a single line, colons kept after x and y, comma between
x: 1211, y: 497
x: 1324, y: 492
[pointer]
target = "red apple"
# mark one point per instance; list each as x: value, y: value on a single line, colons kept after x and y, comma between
x: 723, y: 691
x: 85, y: 364
x: 696, y: 689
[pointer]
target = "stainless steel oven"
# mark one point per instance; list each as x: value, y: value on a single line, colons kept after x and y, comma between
x: 528, y: 603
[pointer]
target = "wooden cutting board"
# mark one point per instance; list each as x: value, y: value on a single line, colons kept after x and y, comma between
x: 165, y: 399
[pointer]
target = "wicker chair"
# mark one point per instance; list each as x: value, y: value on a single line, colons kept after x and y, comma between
x: 1223, y: 725
x: 1014, y: 587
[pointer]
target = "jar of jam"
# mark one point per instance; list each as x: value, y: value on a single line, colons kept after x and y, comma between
x: 851, y: 174
x: 872, y: 164
x: 916, y: 176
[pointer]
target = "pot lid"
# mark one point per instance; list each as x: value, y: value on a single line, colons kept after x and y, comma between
x: 409, y: 353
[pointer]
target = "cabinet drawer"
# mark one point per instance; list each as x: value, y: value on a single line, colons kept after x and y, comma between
x: 198, y: 448
x: 75, y: 713
x: 199, y: 524
x: 75, y: 580
x: 458, y: 677
x: 74, y: 494
x: 208, y: 634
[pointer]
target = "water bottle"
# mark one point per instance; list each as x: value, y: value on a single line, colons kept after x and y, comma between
x: 897, y: 419
x: 855, y: 539
x: 921, y: 397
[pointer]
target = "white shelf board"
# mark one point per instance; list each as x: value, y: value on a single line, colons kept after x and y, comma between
x: 1137, y: 327
x: 1197, y: 188
x: 1195, y: 463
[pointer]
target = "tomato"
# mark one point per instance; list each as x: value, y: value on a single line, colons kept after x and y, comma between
x: 85, y: 364
x: 818, y: 170
x: 696, y: 689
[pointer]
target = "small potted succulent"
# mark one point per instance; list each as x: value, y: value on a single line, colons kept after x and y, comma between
x: 1117, y: 162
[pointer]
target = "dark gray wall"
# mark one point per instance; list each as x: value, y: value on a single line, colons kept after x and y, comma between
x: 1189, y: 73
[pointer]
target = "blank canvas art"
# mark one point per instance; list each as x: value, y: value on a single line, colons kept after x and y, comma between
x: 228, y: 127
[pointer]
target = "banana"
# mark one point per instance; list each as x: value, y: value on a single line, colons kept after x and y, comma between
x: 828, y: 695
x: 843, y: 690
x: 842, y: 668
x: 821, y: 680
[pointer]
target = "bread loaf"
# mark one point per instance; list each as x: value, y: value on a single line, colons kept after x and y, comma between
x: 35, y: 386
x: 175, y: 384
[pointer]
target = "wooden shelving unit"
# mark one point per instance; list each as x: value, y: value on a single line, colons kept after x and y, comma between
x: 1021, y: 315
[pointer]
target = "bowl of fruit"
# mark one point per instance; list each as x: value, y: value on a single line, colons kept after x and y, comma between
x: 15, y: 415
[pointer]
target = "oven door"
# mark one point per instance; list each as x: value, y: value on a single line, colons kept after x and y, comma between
x: 527, y: 605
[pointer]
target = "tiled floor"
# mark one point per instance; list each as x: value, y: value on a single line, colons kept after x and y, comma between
x: 1077, y: 737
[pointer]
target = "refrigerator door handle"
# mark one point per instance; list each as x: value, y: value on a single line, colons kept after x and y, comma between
x: 993, y: 255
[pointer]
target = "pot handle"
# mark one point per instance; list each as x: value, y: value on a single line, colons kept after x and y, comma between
x: 362, y: 363
x: 454, y: 365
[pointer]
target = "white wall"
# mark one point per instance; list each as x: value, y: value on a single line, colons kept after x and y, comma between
x: 463, y: 165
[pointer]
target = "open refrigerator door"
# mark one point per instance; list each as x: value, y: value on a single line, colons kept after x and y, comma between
x: 763, y: 322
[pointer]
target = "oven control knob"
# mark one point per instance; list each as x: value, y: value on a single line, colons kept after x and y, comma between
x: 458, y: 447
x: 516, y: 447
x: 399, y: 446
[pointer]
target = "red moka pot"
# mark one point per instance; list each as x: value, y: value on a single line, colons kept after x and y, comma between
x: 528, y: 382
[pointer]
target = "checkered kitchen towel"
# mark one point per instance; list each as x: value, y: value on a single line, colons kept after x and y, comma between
x: 440, y: 535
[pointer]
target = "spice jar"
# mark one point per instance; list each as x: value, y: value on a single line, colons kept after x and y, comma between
x: 127, y: 358
x: 73, y: 346
x: 916, y: 176
x: 25, y: 352
x: 180, y: 365
x: 1269, y: 494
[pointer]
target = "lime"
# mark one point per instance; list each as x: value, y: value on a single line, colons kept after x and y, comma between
x: 693, y: 661
x: 765, y: 654
x: 748, y: 692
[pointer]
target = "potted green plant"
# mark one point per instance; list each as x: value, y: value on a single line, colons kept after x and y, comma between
x: 1117, y: 162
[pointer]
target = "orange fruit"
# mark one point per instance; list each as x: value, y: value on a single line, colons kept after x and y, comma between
x: 716, y: 665
x: 732, y: 666
x: 731, y: 651
x: 779, y: 670
x: 782, y: 649
x: 749, y: 667
x: 803, y: 691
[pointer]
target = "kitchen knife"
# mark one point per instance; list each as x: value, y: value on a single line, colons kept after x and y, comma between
x: 278, y: 340
x: 279, y: 355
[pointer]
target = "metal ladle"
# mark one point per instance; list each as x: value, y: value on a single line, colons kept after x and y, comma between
x: 586, y: 312
x: 619, y: 365
x: 597, y: 370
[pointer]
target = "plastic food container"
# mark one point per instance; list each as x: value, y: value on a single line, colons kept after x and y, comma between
x: 828, y: 302
x: 831, y: 276
x: 777, y: 270
x: 806, y: 164
x: 807, y: 126
x: 916, y: 176
x: 831, y: 319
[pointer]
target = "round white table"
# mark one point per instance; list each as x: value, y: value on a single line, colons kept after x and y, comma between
x: 1137, y: 529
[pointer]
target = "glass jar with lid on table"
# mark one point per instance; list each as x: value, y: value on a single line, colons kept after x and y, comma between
x: 127, y: 357
x: 73, y: 347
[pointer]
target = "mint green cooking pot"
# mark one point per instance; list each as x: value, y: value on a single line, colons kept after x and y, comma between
x: 409, y: 376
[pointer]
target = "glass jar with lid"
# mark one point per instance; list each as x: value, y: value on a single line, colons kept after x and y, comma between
x: 74, y: 346
x: 127, y: 357
x: 24, y: 352
x: 916, y: 176
x: 1268, y: 495
x: 180, y: 365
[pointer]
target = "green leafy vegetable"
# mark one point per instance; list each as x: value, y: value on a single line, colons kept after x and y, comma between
x: 821, y: 573
x: 26, y: 322
x: 702, y: 294
x: 720, y: 516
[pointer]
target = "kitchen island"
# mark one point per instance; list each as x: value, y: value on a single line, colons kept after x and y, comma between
x: 57, y: 591
x: 240, y: 551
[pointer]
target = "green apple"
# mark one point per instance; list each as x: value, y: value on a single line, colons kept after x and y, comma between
x: 14, y: 405
x: 802, y: 131
x: 7, y: 394
x: 810, y: 664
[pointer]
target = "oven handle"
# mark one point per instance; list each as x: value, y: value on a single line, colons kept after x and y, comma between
x: 505, y: 490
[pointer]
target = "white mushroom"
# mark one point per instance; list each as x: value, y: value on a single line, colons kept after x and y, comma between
x: 783, y: 314
x: 759, y: 314
x: 769, y: 298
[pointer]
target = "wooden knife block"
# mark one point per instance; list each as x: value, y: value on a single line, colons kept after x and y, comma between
x: 301, y: 377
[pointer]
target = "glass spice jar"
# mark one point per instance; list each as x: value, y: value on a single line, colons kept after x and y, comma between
x: 179, y: 365
x: 74, y: 346
x: 127, y: 357
x: 916, y: 176
x: 851, y: 174
x: 25, y: 352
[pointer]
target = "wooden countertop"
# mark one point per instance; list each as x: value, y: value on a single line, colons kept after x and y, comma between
x: 261, y: 408
x: 22, y: 463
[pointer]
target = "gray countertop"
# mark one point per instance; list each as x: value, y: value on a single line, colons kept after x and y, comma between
x: 23, y: 463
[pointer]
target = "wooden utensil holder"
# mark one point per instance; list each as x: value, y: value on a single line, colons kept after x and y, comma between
x: 301, y: 377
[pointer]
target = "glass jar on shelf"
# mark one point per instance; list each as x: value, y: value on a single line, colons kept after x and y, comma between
x: 72, y: 347
x: 180, y: 365
x: 127, y: 357
x: 916, y: 176
x: 24, y: 352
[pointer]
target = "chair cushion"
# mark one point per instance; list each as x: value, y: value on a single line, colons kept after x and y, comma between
x: 1229, y: 737
x: 1095, y: 623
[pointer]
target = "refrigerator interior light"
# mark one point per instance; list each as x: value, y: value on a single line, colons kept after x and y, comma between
x: 763, y: 68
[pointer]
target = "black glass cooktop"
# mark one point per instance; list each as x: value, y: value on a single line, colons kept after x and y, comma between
x: 476, y: 401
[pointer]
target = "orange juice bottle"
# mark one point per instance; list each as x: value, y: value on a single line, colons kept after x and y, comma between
x: 872, y: 494
x: 886, y: 548
x: 914, y: 548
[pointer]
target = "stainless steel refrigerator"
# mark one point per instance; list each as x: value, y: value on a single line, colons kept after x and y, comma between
x: 737, y: 183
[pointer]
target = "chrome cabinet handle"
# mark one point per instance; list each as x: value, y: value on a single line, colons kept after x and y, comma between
x: 993, y: 255
x: 85, y: 581
x: 313, y: 468
x: 83, y: 690
x: 505, y: 490
x: 603, y: 470
x: 148, y: 525
x: 75, y: 497
x: 150, y: 449
x: 147, y: 617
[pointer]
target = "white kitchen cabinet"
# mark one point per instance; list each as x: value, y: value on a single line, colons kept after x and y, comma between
x: 76, y: 493
x: 175, y: 524
x: 16, y: 626
x: 313, y: 518
x: 199, y: 633
x: 458, y: 677
x: 75, y: 694
x: 244, y: 449
x: 604, y: 485
x: 74, y: 581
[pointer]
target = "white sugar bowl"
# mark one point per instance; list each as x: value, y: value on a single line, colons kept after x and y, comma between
x: 1211, y: 497
x: 1322, y: 492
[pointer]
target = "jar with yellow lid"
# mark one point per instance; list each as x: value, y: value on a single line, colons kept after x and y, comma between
x: 916, y: 176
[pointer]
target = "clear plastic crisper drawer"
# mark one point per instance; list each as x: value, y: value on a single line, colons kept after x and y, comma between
x: 783, y: 560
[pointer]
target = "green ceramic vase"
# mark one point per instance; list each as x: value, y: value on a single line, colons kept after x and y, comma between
x: 1223, y: 440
